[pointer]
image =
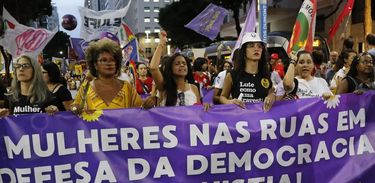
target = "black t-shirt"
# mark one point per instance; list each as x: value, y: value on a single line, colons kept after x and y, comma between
x: 356, y: 84
x: 23, y: 105
x: 62, y: 94
x: 253, y: 87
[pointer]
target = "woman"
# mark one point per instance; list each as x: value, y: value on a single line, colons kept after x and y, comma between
x: 360, y: 75
x: 250, y: 81
x: 174, y: 90
x: 29, y: 93
x: 144, y: 83
x: 342, y: 67
x: 105, y: 91
x: 55, y: 84
x: 304, y: 85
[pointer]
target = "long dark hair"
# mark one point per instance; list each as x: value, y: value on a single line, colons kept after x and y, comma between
x: 353, y: 72
x: 341, y: 60
x: 53, y: 72
x: 170, y: 85
x: 263, y: 70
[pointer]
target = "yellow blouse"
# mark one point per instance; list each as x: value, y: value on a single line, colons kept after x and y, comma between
x: 127, y: 97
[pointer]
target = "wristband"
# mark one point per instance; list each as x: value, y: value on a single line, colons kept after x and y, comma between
x: 293, y: 62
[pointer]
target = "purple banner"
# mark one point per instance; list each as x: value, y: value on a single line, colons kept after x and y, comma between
x: 209, y: 21
x: 79, y: 45
x: 307, y: 140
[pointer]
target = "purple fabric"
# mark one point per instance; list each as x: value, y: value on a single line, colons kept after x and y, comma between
x: 249, y: 23
x: 209, y: 21
x: 208, y: 95
x: 79, y: 45
x: 146, y: 130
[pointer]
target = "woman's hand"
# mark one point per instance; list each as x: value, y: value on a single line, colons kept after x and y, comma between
x: 76, y: 109
x: 268, y: 102
x: 150, y: 102
x: 292, y: 56
x: 51, y: 110
x: 207, y: 106
x: 4, y: 112
x: 327, y: 95
x: 163, y: 38
x: 237, y: 102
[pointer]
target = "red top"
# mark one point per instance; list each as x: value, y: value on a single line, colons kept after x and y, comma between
x: 279, y: 68
x: 144, y: 87
x: 203, y: 79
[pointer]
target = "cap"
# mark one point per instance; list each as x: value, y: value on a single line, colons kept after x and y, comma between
x: 274, y: 56
x: 251, y: 37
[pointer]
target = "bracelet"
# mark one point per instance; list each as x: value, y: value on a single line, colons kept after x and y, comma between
x: 293, y: 62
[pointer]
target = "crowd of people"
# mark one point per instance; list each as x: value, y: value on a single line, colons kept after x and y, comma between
x: 252, y: 75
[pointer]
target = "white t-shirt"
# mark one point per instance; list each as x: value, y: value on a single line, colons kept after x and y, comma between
x: 313, y: 88
x: 124, y: 77
x: 275, y: 78
x: 341, y: 74
x: 220, y: 79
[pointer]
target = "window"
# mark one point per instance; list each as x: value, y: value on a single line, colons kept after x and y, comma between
x: 156, y: 19
x: 148, y: 50
x: 147, y: 30
x: 156, y: 29
x: 156, y: 40
x: 147, y: 19
x: 147, y: 9
x: 148, y: 40
x: 167, y: 1
x: 146, y: 1
x: 156, y: 0
x: 156, y: 9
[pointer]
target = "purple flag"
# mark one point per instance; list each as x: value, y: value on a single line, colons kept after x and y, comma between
x: 209, y: 21
x: 79, y: 45
x: 249, y: 23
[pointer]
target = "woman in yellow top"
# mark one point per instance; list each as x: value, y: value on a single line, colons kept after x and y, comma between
x: 106, y: 91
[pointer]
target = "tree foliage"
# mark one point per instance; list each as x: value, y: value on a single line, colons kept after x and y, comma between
x: 59, y: 42
x: 234, y: 6
x: 25, y: 10
x: 174, y: 16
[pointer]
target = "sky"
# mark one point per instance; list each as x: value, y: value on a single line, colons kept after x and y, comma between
x: 69, y: 7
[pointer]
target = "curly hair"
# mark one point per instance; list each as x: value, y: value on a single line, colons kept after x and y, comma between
x: 101, y: 46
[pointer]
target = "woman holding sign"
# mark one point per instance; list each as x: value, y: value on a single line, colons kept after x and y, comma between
x: 105, y: 91
x: 250, y: 81
x: 29, y: 93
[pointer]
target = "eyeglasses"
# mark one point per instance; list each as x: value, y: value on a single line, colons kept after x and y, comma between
x: 366, y: 62
x: 23, y: 66
x: 106, y: 62
x: 181, y: 97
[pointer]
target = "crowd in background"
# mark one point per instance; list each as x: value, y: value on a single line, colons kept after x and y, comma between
x: 252, y: 75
